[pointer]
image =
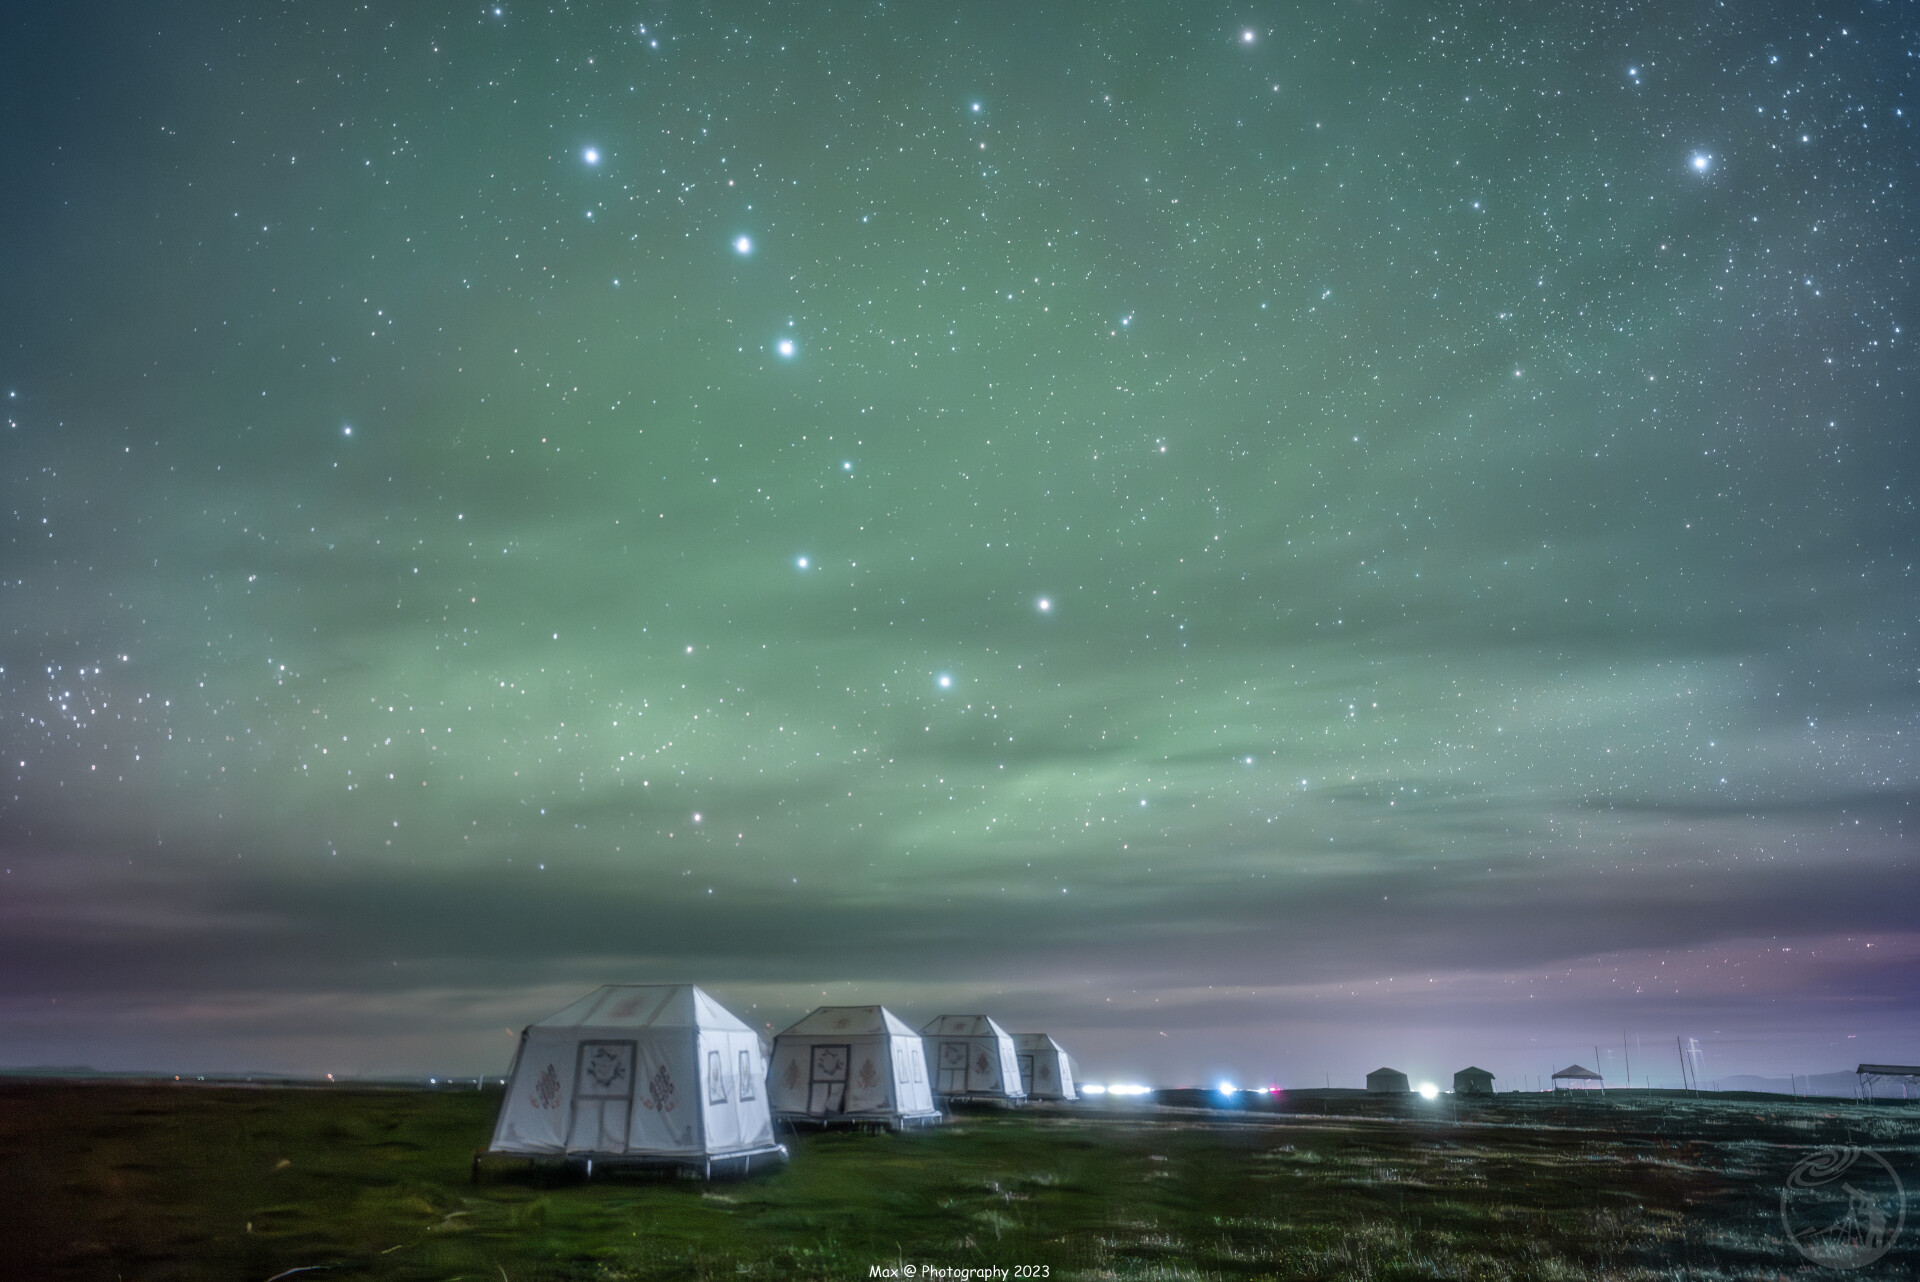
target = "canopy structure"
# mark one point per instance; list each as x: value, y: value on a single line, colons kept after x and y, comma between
x: 1388, y: 1081
x: 1908, y: 1075
x: 639, y: 1074
x: 1046, y: 1070
x: 851, y: 1064
x: 972, y: 1057
x: 1574, y: 1078
x: 1473, y: 1081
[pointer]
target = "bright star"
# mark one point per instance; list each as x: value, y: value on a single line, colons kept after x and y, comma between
x: 976, y: 106
x: 846, y: 467
x: 946, y: 682
x: 801, y: 562
x: 743, y: 246
x: 1700, y: 162
x: 1246, y: 37
x: 785, y: 347
x: 346, y: 431
x: 591, y: 155
x: 1044, y: 605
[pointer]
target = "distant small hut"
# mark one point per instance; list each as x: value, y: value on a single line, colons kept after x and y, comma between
x: 1388, y: 1081
x: 1473, y: 1081
x: 1576, y: 1078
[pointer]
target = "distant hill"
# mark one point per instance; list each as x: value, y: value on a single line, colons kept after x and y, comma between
x: 1839, y: 1085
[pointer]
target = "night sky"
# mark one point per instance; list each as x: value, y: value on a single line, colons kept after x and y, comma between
x: 1263, y: 541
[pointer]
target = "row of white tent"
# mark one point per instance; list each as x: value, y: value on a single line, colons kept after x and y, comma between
x: 664, y: 1072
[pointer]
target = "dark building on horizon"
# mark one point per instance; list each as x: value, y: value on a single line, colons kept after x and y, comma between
x: 1388, y: 1081
x: 1473, y: 1081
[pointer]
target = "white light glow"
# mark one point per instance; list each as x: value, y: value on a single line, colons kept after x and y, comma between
x: 591, y: 155
x: 785, y: 347
x: 743, y: 246
x: 1701, y: 162
x: 1044, y: 605
x: 946, y: 682
x: 1429, y: 1091
x: 1228, y: 1088
x: 801, y: 562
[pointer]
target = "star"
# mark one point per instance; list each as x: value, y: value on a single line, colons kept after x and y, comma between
x: 801, y: 562
x: 946, y: 682
x: 1044, y: 605
x: 591, y: 155
x: 1246, y: 37
x: 785, y: 348
x: 1701, y: 161
x: 743, y: 246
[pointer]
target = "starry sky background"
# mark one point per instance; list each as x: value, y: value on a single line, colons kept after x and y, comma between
x: 1262, y: 540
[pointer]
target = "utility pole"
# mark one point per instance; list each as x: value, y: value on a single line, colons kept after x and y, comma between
x: 1682, y: 1051
x: 1627, y: 1056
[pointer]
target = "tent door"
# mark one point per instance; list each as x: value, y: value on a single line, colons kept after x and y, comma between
x: 983, y: 1070
x: 827, y: 1080
x: 1026, y: 1073
x: 953, y: 1068
x: 602, y: 1108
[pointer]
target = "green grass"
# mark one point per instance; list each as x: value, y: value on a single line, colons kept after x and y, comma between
x: 120, y: 1181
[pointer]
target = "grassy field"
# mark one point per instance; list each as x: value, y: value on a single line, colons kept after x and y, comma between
x: 140, y: 1182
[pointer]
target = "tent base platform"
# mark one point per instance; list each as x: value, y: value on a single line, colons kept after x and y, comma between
x: 856, y: 1122
x: 699, y: 1166
x: 981, y: 1101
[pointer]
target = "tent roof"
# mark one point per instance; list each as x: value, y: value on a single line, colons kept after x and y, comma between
x: 824, y: 1021
x: 646, y: 1006
x: 1396, y: 1072
x: 1036, y: 1042
x: 1578, y: 1074
x: 1471, y: 1069
x: 962, y: 1026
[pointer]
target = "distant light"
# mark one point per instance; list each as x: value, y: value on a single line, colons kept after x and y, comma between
x: 976, y: 106
x: 1092, y: 1088
x: 785, y: 347
x: 1246, y: 37
x: 346, y: 431
x: 1429, y: 1091
x: 743, y: 246
x: 846, y: 466
x: 1228, y: 1088
x: 801, y: 562
x: 1701, y: 161
x: 1044, y: 605
x: 696, y: 816
x: 946, y: 682
x: 591, y: 155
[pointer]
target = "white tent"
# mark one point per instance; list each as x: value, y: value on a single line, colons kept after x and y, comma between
x: 1046, y: 1070
x: 972, y: 1056
x: 851, y: 1064
x: 639, y: 1074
